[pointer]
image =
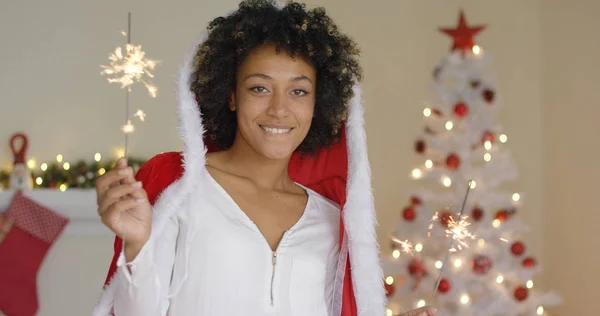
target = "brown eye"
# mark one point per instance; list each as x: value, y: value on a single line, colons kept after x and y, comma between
x: 299, y: 92
x: 259, y: 89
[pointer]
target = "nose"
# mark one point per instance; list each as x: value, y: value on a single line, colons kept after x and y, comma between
x: 278, y: 105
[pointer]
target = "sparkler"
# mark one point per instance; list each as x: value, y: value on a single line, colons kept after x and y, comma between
x: 127, y: 68
x: 406, y: 246
x: 459, y: 233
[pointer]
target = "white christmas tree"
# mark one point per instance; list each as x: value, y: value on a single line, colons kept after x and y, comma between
x: 492, y: 273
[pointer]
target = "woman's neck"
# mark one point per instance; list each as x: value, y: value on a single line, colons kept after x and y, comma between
x: 267, y: 174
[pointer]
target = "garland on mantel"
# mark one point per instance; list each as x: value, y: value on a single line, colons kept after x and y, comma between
x: 66, y: 175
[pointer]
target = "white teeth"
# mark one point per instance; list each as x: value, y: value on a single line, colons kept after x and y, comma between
x: 273, y: 130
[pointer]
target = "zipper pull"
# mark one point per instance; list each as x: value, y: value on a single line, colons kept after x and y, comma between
x: 274, y: 257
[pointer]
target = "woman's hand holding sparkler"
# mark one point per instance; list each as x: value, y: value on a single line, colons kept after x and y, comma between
x: 124, y: 207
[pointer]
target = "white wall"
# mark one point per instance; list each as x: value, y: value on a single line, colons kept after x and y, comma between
x: 571, y: 47
x: 50, y: 87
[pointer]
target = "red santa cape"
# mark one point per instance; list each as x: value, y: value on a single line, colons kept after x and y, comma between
x: 341, y: 173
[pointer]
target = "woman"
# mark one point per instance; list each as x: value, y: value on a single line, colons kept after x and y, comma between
x: 277, y: 218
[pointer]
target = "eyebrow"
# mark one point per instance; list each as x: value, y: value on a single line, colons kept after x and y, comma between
x: 263, y: 76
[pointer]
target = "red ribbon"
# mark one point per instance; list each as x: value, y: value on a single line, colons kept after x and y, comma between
x: 19, y: 154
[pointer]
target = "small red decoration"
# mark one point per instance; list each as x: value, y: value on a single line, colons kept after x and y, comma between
x: 446, y: 218
x: 461, y: 109
x: 462, y: 35
x: 420, y: 146
x: 444, y: 286
x: 488, y: 95
x: 415, y: 200
x: 481, y: 264
x: 504, y: 214
x: 477, y: 213
x: 517, y: 248
x: 529, y: 262
x: 488, y: 136
x: 389, y: 289
x: 521, y: 293
x: 416, y: 268
x: 452, y: 161
x: 409, y: 213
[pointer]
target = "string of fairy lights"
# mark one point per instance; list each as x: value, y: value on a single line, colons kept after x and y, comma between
x: 61, y: 174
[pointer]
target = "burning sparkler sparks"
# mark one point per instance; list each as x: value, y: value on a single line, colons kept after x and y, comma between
x: 406, y: 246
x: 128, y: 128
x: 141, y: 115
x: 459, y: 233
x: 128, y: 66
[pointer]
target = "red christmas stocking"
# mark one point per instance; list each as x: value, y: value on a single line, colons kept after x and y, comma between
x: 27, y: 231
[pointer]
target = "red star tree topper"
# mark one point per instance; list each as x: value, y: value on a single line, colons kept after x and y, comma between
x: 463, y: 35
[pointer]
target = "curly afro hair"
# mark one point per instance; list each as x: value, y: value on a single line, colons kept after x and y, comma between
x: 311, y: 34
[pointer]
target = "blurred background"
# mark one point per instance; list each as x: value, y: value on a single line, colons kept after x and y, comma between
x: 544, y: 58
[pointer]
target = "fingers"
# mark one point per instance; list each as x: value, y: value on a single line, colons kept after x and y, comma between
x: 122, y: 165
x: 117, y: 208
x: 113, y: 178
x: 119, y: 192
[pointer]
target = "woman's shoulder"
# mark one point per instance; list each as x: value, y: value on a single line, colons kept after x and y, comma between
x: 159, y: 172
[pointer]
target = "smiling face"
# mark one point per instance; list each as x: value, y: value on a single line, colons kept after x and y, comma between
x: 274, y: 101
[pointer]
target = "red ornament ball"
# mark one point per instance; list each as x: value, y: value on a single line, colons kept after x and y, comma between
x: 444, y: 286
x: 481, y: 264
x: 446, y: 218
x: 529, y: 262
x: 488, y: 95
x: 504, y: 214
x: 461, y: 109
x: 409, y: 213
x: 390, y: 289
x: 488, y: 136
x: 521, y: 293
x: 452, y: 161
x: 517, y: 248
x: 420, y: 146
x: 415, y: 200
x: 477, y: 213
x: 416, y: 268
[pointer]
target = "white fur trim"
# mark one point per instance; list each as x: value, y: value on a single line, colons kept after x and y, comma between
x: 360, y: 218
